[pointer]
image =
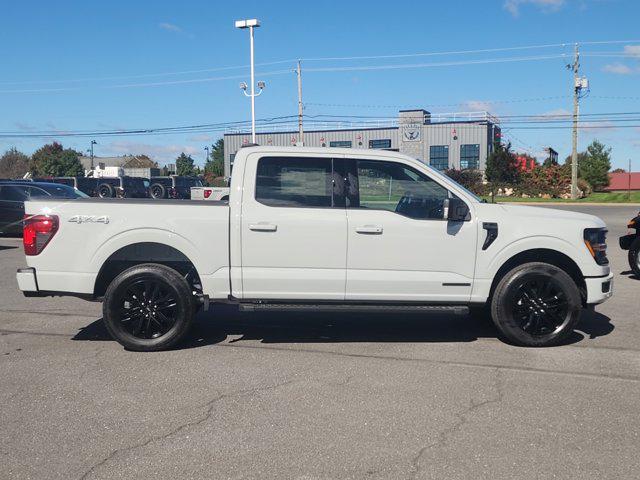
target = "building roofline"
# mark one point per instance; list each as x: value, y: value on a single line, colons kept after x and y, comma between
x: 365, y: 129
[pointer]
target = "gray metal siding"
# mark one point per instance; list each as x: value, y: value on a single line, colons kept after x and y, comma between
x: 432, y: 134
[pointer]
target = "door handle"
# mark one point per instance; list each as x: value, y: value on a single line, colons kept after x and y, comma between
x: 369, y: 229
x: 263, y: 227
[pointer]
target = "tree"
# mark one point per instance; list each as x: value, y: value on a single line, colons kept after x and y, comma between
x: 618, y: 170
x: 594, y: 165
x: 215, y: 165
x: 13, y: 164
x: 595, y: 169
x: 184, y: 165
x: 52, y: 160
x: 501, y: 168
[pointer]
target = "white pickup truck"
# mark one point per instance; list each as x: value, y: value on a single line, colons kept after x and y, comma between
x: 319, y: 228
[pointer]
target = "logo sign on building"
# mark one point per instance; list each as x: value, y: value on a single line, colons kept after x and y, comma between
x: 411, y: 132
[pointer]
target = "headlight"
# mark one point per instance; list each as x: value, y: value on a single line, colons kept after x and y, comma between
x: 596, y: 241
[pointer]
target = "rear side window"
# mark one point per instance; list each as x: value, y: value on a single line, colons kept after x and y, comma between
x: 13, y: 193
x: 295, y: 182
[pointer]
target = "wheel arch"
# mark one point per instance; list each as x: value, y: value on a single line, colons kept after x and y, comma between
x: 139, y: 253
x: 546, y: 255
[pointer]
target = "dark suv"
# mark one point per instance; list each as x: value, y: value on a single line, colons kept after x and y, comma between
x: 14, y: 193
x: 173, y: 186
x: 122, y: 187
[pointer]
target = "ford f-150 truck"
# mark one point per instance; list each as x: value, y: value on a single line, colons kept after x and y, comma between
x: 319, y: 228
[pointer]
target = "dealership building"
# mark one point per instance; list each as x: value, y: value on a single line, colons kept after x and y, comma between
x: 452, y: 140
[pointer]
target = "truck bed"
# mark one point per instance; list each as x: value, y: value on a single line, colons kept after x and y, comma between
x: 92, y: 230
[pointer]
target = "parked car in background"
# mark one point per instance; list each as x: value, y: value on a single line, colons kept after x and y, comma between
x: 13, y: 194
x: 210, y: 193
x: 173, y: 187
x: 122, y: 187
x: 86, y: 185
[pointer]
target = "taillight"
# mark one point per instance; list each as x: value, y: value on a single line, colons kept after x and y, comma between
x: 207, y: 193
x: 37, y: 232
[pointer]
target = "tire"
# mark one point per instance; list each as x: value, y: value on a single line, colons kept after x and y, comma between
x: 148, y: 307
x: 105, y: 190
x: 634, y: 257
x: 536, y: 305
x: 157, y: 190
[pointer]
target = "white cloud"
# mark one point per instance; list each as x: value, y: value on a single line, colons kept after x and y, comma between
x: 25, y: 127
x: 201, y: 138
x: 633, y: 50
x: 558, y: 112
x: 170, y: 27
x: 160, y: 153
x: 547, y: 6
x: 619, y: 69
x: 477, y: 106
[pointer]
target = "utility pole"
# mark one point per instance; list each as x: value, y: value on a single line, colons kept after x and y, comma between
x: 574, y: 140
x: 300, y: 107
x: 93, y: 142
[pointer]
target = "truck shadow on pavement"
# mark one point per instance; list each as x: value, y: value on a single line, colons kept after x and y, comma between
x: 215, y: 327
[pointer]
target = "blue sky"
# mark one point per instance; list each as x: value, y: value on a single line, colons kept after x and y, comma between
x: 69, y: 66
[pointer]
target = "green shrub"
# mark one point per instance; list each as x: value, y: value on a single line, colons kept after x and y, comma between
x: 470, y: 179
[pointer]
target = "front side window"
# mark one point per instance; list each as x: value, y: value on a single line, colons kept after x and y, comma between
x: 295, y: 182
x: 397, y: 188
x: 469, y: 156
x: 439, y: 156
x: 380, y: 144
x: 340, y: 144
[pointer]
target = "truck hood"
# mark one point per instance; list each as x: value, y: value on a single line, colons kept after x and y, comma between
x: 542, y: 217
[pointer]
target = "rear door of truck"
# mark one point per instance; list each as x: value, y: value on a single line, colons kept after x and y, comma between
x: 293, y: 228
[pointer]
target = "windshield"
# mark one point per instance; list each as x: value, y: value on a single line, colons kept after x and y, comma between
x: 449, y: 179
x: 61, y: 191
x: 188, y: 182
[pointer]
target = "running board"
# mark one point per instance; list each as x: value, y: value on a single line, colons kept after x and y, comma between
x: 332, y: 307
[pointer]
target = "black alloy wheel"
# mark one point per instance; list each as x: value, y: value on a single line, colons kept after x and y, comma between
x: 536, y: 305
x: 539, y: 305
x: 149, y: 307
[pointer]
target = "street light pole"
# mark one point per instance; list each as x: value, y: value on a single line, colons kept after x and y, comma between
x: 251, y: 24
x: 206, y: 149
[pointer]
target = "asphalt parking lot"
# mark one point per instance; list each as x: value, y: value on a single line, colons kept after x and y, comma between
x: 319, y: 396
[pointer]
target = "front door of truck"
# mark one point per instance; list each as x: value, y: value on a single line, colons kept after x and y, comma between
x: 293, y: 229
x: 400, y: 248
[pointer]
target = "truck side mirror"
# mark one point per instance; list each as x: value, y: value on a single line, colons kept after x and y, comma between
x: 456, y: 210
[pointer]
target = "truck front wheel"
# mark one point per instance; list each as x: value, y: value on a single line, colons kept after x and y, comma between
x: 148, y: 307
x: 536, y: 305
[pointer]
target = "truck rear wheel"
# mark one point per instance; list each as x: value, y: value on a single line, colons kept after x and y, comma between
x: 634, y: 257
x: 148, y: 307
x: 536, y: 305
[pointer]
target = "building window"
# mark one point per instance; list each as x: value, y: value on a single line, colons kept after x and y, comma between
x: 295, y: 182
x: 469, y: 156
x: 341, y: 144
x: 439, y: 156
x: 380, y: 144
